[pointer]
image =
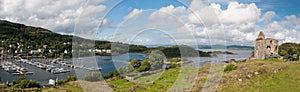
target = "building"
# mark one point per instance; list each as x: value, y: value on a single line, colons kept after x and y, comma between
x: 265, y: 47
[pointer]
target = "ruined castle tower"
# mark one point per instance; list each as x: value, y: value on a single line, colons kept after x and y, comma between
x: 265, y: 47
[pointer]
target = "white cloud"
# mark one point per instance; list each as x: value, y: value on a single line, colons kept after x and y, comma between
x: 169, y: 11
x: 57, y: 15
x: 213, y: 14
x: 134, y: 14
x: 202, y: 14
x: 240, y: 13
x: 285, y: 31
x: 268, y: 16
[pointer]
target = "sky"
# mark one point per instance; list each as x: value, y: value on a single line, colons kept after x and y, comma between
x: 150, y: 22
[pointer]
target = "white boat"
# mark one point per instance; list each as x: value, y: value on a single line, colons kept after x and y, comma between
x: 8, y: 69
x: 23, y: 69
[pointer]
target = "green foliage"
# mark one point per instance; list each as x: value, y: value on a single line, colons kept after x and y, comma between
x: 34, y: 38
x: 175, y: 60
x: 71, y: 78
x: 272, y: 60
x: 230, y: 67
x: 135, y: 63
x: 109, y: 75
x: 114, y: 74
x: 156, y: 59
x: 22, y: 82
x: 92, y: 77
x: 68, y: 79
x: 144, y: 67
x: 174, y: 65
x: 290, y: 51
x: 179, y: 51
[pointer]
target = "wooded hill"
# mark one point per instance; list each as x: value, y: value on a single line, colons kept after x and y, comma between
x: 15, y: 36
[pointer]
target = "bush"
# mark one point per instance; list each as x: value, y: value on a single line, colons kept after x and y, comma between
x: 174, y: 66
x: 22, y: 82
x: 68, y: 79
x: 71, y: 78
x: 144, y: 67
x: 135, y: 63
x: 156, y: 59
x: 109, y: 75
x: 289, y: 51
x: 92, y: 77
x: 115, y: 74
x: 230, y: 67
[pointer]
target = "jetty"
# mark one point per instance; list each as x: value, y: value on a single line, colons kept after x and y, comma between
x: 14, y: 69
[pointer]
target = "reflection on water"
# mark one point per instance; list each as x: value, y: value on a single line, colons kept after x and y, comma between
x: 238, y: 55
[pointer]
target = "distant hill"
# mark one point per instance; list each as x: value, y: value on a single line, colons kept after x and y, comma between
x: 20, y: 32
x: 17, y: 36
x: 234, y: 47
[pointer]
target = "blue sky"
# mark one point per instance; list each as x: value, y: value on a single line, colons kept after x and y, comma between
x: 281, y: 7
x: 125, y: 7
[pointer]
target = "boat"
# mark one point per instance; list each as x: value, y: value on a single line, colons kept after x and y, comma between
x: 8, y: 69
x: 23, y: 69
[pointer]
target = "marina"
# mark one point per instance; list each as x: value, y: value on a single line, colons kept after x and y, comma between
x: 15, y: 69
x: 77, y: 67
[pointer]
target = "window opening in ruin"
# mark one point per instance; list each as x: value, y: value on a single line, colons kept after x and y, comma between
x: 268, y: 47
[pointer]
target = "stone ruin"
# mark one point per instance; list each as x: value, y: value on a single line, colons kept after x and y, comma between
x: 264, y: 48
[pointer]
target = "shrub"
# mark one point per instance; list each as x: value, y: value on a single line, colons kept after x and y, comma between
x: 109, y: 75
x: 26, y: 84
x: 71, y: 78
x: 92, y: 77
x: 230, y: 67
x: 144, y: 67
x: 174, y: 65
x: 68, y: 79
x: 156, y: 59
x: 135, y: 63
x: 115, y: 74
x: 22, y: 82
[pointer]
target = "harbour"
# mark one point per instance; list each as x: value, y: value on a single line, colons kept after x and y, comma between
x: 41, y: 68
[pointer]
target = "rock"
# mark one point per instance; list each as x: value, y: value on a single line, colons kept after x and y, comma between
x: 240, y: 80
x: 275, y: 70
x: 256, y: 73
x: 249, y: 76
x: 152, y: 82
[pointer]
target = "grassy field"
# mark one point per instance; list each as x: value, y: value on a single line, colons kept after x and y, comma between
x: 71, y: 86
x: 265, y: 76
x: 269, y: 77
x: 168, y: 80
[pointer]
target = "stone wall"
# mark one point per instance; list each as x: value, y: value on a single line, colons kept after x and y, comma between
x: 265, y: 47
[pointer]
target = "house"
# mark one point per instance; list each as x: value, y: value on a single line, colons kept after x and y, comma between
x: 35, y: 52
x: 66, y: 52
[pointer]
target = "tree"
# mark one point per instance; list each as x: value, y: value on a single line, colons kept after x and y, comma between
x: 144, y: 67
x: 22, y: 82
x: 290, y: 51
x: 156, y: 59
x: 135, y: 63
